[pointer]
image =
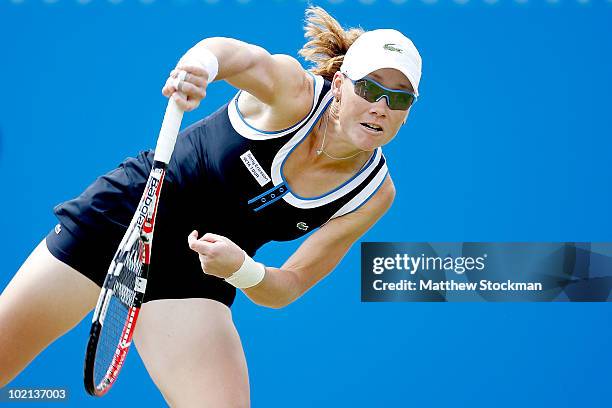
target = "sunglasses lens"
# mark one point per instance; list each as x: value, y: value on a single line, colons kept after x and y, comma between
x: 361, y: 89
x: 400, y: 101
x: 372, y: 92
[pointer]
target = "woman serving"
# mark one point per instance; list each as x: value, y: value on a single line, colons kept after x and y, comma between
x: 293, y: 152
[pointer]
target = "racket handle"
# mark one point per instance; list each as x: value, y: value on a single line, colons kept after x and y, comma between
x: 169, y: 131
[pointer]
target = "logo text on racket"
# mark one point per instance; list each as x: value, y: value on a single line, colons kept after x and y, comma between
x: 149, y: 201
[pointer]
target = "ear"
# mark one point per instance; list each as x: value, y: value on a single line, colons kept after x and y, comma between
x: 336, y: 84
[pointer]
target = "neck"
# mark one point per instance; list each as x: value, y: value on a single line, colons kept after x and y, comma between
x: 329, y: 144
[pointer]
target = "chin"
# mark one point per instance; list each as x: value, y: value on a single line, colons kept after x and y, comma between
x: 369, y: 143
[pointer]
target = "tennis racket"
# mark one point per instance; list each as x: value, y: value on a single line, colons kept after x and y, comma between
x: 116, y: 312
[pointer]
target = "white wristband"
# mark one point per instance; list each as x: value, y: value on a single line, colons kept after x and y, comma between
x: 203, y: 58
x: 249, y: 274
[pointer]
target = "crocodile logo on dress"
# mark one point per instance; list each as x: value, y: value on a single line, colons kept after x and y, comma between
x: 302, y: 226
x: 390, y: 47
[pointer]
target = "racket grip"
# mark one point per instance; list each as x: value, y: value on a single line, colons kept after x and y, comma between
x: 169, y: 131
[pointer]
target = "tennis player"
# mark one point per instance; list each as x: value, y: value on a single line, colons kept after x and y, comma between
x: 294, y: 152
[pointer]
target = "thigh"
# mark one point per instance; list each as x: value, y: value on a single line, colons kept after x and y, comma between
x: 193, y: 353
x: 44, y: 300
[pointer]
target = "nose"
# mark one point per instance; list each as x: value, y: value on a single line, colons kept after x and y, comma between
x: 380, y: 106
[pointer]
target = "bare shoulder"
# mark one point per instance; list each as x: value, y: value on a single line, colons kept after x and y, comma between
x: 292, y: 76
x: 385, y: 195
x: 381, y: 201
x: 356, y: 223
x: 290, y: 100
x: 294, y: 86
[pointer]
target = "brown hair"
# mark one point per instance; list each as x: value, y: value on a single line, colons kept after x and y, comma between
x: 327, y: 42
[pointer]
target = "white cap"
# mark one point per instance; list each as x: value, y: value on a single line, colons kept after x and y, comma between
x: 384, y: 48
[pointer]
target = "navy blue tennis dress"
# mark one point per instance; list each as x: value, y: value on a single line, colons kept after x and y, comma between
x: 224, y: 177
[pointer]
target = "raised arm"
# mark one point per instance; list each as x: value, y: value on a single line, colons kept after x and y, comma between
x: 271, y: 79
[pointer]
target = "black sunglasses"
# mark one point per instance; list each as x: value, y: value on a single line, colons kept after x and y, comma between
x: 372, y: 91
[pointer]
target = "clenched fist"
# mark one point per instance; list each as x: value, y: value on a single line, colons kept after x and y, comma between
x: 219, y: 256
x: 189, y: 82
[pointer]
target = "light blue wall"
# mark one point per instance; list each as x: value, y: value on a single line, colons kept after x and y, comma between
x: 510, y: 141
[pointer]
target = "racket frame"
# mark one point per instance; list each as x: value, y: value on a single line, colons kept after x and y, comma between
x: 140, y: 229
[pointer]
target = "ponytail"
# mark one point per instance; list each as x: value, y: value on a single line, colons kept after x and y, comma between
x: 327, y: 42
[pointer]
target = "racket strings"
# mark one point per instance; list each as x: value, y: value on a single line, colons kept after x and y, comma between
x: 116, y: 330
x: 107, y: 353
x: 124, y: 287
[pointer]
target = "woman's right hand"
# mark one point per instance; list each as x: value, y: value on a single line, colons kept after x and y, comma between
x: 190, y: 90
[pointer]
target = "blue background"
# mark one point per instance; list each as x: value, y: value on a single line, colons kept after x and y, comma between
x: 509, y: 142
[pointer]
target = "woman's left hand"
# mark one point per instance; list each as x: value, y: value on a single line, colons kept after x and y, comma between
x: 219, y: 256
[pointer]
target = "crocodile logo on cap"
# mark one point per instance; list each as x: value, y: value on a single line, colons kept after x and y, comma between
x: 390, y: 47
